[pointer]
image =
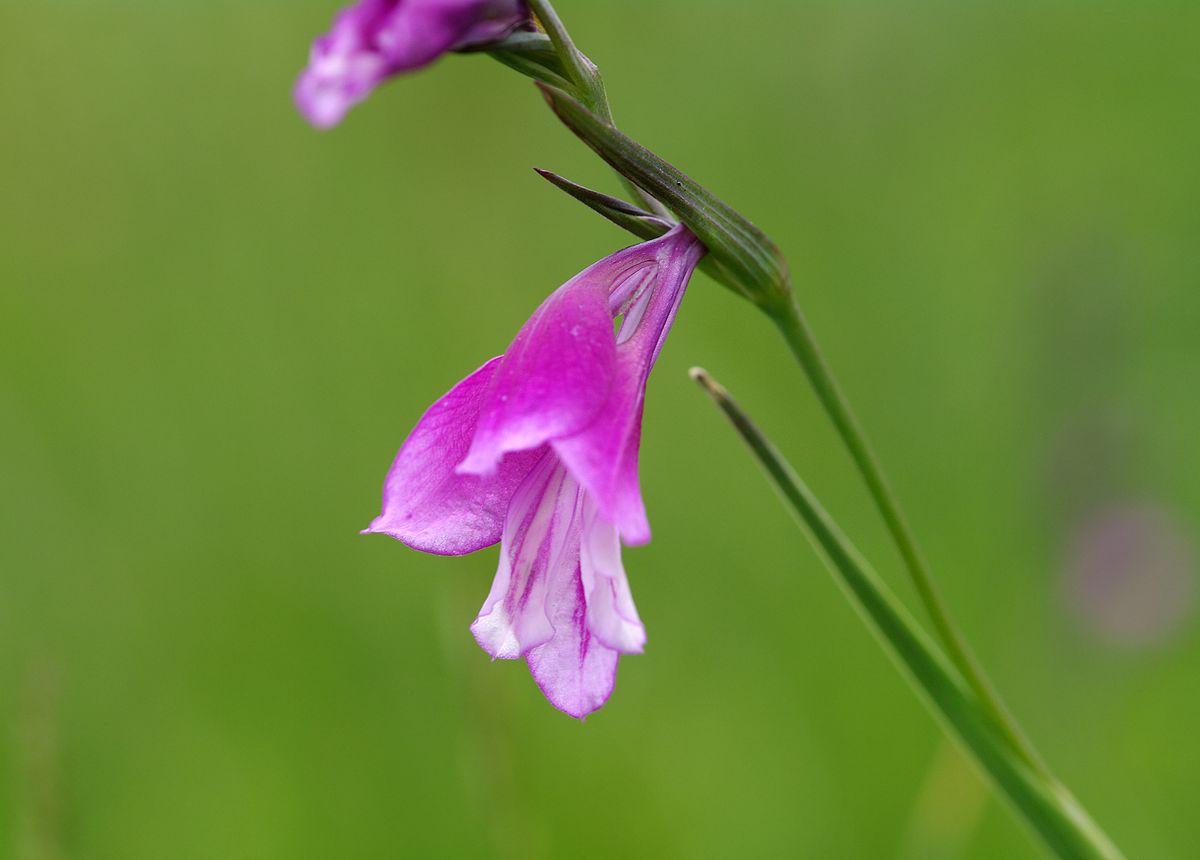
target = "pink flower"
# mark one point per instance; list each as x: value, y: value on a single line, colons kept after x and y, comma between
x: 538, y: 449
x: 376, y: 39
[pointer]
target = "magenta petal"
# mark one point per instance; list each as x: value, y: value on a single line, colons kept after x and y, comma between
x: 419, y: 31
x: 462, y: 23
x: 574, y: 670
x: 557, y: 373
x: 603, y: 456
x: 555, y: 376
x: 346, y: 63
x: 430, y: 507
x: 604, y: 459
x: 541, y: 541
x: 376, y: 39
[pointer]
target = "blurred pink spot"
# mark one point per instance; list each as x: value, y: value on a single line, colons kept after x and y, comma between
x: 1130, y: 573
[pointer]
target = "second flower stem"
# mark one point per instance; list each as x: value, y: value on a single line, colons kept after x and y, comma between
x: 796, y: 332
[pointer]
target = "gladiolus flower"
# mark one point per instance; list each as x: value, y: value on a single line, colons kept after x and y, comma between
x: 538, y: 449
x: 376, y: 39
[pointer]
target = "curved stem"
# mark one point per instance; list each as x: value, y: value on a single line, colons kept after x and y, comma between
x: 804, y: 347
x: 579, y: 68
x: 589, y: 86
x: 1043, y: 802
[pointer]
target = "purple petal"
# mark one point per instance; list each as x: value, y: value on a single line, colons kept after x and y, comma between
x: 611, y: 616
x: 603, y: 456
x: 376, y: 39
x: 429, y: 506
x: 574, y: 670
x: 541, y: 540
x: 560, y: 598
x: 555, y: 375
x: 481, y: 22
x: 345, y: 64
x: 417, y: 32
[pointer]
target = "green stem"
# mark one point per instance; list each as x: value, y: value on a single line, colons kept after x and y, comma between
x: 589, y: 86
x: 1044, y: 803
x: 804, y: 347
x: 580, y: 69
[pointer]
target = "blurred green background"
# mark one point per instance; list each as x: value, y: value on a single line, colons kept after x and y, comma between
x: 217, y: 325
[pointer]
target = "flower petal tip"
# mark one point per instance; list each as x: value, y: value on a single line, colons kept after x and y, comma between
x: 639, y: 536
x: 577, y: 711
x: 374, y: 528
x: 628, y: 637
x: 496, y: 638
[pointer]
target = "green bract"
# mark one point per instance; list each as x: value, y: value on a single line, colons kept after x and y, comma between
x: 743, y: 257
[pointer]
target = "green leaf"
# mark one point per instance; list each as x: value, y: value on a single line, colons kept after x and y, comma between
x: 1041, y: 801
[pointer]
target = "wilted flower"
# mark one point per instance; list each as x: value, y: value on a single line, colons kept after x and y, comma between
x: 376, y: 39
x: 538, y: 449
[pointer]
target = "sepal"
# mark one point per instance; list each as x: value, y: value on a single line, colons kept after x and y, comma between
x: 531, y: 53
x: 743, y: 256
x: 639, y: 222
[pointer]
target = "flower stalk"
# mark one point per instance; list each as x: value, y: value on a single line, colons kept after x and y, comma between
x: 796, y: 333
x: 588, y: 85
x: 533, y: 55
x: 582, y: 71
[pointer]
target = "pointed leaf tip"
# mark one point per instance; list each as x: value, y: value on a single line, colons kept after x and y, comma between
x: 643, y: 224
x: 744, y: 258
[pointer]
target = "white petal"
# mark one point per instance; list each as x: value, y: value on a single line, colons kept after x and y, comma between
x: 611, y: 615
